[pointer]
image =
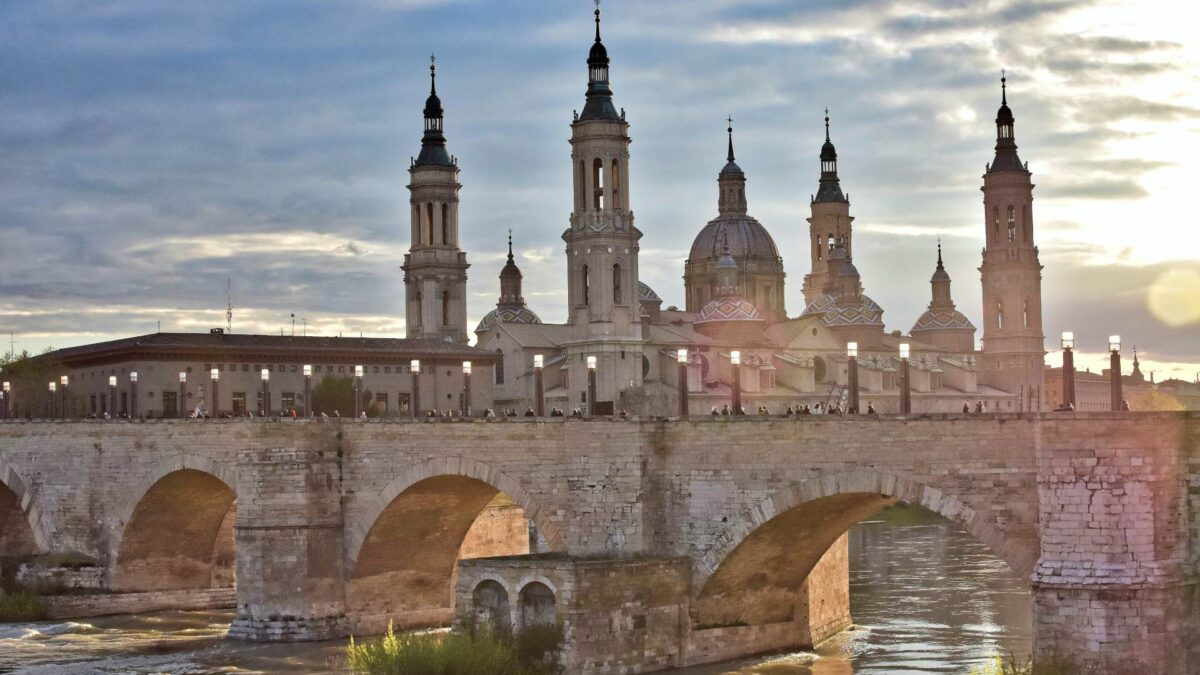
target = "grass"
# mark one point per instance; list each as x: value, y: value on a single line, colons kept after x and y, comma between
x: 1047, y: 665
x: 532, y: 652
x: 20, y: 606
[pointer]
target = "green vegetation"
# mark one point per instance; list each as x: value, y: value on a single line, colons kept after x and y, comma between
x: 20, y: 606
x: 531, y: 652
x: 1047, y: 665
x: 335, y: 393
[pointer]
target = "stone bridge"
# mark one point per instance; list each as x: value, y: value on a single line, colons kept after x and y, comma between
x: 656, y: 543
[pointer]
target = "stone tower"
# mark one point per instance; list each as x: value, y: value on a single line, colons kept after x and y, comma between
x: 1013, y: 344
x: 830, y: 221
x: 942, y: 325
x: 602, y: 243
x: 435, y: 268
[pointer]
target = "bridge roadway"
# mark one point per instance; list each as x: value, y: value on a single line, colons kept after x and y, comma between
x: 665, y: 542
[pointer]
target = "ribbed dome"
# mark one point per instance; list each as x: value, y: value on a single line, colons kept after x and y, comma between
x: 729, y: 309
x: 507, y: 315
x: 864, y: 313
x: 828, y: 152
x: 748, y: 240
x: 942, y: 320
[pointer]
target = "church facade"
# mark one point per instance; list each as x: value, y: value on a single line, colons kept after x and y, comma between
x: 735, y: 294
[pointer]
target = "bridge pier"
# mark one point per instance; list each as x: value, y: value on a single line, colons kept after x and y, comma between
x: 289, y: 547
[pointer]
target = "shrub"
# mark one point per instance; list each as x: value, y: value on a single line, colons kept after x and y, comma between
x: 532, y: 652
x: 20, y: 606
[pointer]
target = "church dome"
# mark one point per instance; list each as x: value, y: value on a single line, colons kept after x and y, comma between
x: 507, y: 315
x: 942, y: 320
x: 647, y: 294
x: 748, y: 240
x: 863, y: 313
x: 729, y: 309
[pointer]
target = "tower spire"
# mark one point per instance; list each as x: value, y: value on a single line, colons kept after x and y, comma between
x: 1003, y: 87
x: 433, y: 143
x: 510, y: 255
x: 730, y: 129
x: 433, y: 74
x: 597, y: 20
x: 940, y: 267
x: 830, y: 189
x: 599, y: 105
x: 826, y: 124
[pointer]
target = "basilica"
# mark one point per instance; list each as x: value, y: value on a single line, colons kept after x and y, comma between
x: 616, y: 326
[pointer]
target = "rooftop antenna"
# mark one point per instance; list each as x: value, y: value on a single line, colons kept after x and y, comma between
x: 293, y: 324
x: 228, y: 305
x: 304, y: 322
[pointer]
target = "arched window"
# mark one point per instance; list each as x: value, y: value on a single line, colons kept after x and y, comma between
x: 499, y: 367
x: 445, y: 308
x: 417, y: 318
x: 446, y: 224
x: 429, y: 223
x: 537, y: 605
x: 489, y: 605
x: 586, y: 285
x: 1025, y: 313
x: 741, y: 196
x: 597, y: 184
x: 616, y: 184
x: 995, y: 223
x: 1012, y: 224
x: 1000, y: 315
x: 616, y: 281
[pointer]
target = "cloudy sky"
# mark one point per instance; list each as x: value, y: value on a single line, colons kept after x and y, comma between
x: 151, y: 150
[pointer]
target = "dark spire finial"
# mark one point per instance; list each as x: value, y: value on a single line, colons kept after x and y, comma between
x: 432, y: 74
x: 730, y: 129
x: 826, y: 125
x: 597, y: 20
x: 510, y: 255
x: 1003, y: 87
x: 939, y: 253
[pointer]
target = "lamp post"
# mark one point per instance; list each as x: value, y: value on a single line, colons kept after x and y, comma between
x: 182, y: 394
x: 735, y: 362
x: 62, y: 396
x: 358, y: 375
x: 1114, y: 372
x: 539, y: 395
x: 50, y: 402
x: 591, y: 384
x: 112, y: 396
x: 1068, y: 369
x: 466, y: 389
x: 3, y: 406
x: 133, y: 399
x: 415, y: 367
x: 905, y: 384
x: 7, y: 389
x: 852, y: 374
x: 215, y: 375
x: 266, y: 393
x: 681, y: 356
x: 307, y: 390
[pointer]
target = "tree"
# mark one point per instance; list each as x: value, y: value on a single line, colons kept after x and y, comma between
x: 29, y: 376
x: 336, y: 393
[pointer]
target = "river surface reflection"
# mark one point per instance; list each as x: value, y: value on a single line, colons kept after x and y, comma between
x: 926, y: 598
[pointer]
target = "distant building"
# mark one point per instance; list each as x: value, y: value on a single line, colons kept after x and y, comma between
x: 159, y: 359
x: 1093, y: 390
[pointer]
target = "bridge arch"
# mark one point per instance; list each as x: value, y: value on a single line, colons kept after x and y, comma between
x: 402, y: 554
x: 788, y: 532
x: 175, y: 531
x: 22, y: 531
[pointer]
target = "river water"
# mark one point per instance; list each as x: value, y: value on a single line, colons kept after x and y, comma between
x: 925, y: 596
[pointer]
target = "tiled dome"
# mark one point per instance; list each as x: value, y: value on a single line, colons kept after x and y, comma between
x: 940, y: 320
x: 729, y: 309
x: 864, y: 313
x: 507, y: 315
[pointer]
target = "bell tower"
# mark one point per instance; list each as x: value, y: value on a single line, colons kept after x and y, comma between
x: 830, y: 220
x: 1013, y: 345
x: 602, y: 242
x: 435, y: 268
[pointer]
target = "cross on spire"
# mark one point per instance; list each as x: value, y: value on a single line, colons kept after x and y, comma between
x: 1003, y: 86
x: 432, y: 74
x: 826, y: 123
x: 730, y: 130
x: 597, y: 20
x: 510, y: 255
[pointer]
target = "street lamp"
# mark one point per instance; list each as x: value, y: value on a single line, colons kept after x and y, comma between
x: 735, y: 362
x: 681, y: 355
x: 53, y: 388
x: 1068, y: 369
x: 216, y: 379
x: 133, y: 399
x: 415, y: 368
x: 307, y: 390
x: 182, y: 395
x: 591, y: 384
x: 466, y: 403
x: 7, y: 389
x: 539, y: 393
x: 1114, y: 373
x: 266, y: 393
x: 112, y: 396
x: 62, y: 397
x: 852, y: 374
x: 358, y: 375
x: 905, y: 384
